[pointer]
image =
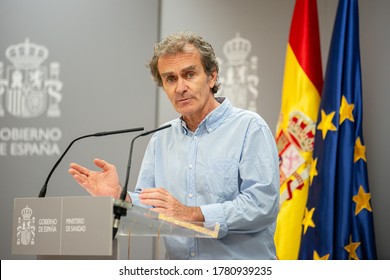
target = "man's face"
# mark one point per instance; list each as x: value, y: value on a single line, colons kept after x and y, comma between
x: 186, y: 83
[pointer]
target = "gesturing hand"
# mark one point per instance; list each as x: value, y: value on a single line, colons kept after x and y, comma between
x: 97, y: 183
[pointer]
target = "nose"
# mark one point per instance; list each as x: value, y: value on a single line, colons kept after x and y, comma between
x: 181, y: 86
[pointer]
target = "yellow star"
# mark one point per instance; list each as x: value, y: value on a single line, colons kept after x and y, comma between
x: 362, y: 200
x: 308, y: 220
x: 360, y: 151
x: 346, y: 110
x: 313, y: 170
x: 326, y: 123
x: 351, y: 249
x: 317, y: 257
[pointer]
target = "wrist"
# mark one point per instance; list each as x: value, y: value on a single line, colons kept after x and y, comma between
x: 196, y: 214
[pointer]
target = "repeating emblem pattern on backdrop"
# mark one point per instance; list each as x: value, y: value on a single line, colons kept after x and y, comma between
x: 239, y: 74
x: 30, y: 88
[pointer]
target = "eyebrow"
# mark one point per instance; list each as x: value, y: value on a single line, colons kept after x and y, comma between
x: 189, y: 68
x: 186, y: 69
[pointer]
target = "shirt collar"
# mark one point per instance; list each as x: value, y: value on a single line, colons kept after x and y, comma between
x: 212, y: 120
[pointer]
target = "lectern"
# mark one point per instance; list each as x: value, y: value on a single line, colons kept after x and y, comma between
x: 81, y: 227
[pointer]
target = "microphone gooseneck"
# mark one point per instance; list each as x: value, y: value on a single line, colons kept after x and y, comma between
x: 124, y: 189
x: 122, y: 211
x: 42, y: 193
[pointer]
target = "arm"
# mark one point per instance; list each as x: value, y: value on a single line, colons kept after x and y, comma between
x: 256, y: 206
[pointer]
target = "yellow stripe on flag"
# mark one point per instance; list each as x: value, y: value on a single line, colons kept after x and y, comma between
x: 299, y: 109
x: 299, y: 93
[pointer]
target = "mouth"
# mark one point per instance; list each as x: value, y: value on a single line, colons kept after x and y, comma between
x: 183, y: 100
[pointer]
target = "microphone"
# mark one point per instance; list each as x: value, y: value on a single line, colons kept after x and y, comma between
x: 124, y: 189
x: 42, y: 193
x: 120, y: 209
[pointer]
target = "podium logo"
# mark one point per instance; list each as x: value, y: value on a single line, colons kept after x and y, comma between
x: 29, y: 88
x: 26, y: 227
x: 239, y: 74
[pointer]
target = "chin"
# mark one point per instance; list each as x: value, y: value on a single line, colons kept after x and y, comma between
x: 185, y: 110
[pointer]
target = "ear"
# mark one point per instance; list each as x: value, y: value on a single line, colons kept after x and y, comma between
x: 213, y: 78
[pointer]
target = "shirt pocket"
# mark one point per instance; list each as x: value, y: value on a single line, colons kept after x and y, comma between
x: 222, y: 179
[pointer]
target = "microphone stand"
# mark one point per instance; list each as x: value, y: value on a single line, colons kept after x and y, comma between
x: 42, y: 193
x: 120, y: 207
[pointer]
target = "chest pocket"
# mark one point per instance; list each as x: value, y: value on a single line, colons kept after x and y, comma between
x: 221, y: 179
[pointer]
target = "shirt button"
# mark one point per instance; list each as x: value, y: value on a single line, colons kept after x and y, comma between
x: 195, y: 137
x: 190, y: 195
x: 190, y: 166
x: 192, y: 254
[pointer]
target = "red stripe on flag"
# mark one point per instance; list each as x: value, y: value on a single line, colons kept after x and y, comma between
x: 305, y: 39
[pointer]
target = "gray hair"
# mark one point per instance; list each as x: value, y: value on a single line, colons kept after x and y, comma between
x: 177, y: 43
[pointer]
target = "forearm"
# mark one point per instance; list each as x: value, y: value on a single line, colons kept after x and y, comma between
x: 244, y: 214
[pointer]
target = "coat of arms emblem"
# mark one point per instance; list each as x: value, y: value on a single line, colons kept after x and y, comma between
x: 30, y: 89
x: 26, y: 227
x: 239, y: 74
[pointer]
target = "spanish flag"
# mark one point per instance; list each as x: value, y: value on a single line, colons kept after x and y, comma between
x: 295, y: 132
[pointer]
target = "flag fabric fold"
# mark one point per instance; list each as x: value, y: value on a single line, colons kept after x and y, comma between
x: 338, y: 219
x: 295, y: 131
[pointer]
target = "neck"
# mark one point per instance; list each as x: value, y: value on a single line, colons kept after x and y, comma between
x: 194, y: 120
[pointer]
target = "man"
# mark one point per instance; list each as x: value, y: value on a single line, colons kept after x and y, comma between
x: 216, y: 163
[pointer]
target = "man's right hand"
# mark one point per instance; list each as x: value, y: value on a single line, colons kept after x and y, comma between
x: 97, y: 183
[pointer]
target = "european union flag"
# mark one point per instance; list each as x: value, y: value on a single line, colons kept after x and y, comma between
x: 338, y: 220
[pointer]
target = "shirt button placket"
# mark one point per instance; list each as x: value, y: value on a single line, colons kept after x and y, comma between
x: 191, y: 171
x: 191, y: 201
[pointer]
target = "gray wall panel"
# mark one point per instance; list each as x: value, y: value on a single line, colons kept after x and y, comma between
x: 102, y: 47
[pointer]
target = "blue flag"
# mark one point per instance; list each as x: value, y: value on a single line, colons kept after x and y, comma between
x: 338, y: 220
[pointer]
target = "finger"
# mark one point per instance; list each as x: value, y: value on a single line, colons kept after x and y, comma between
x: 102, y: 164
x: 154, y: 191
x: 80, y: 169
x: 73, y: 171
x: 153, y: 195
x: 162, y: 190
x: 154, y: 202
x: 82, y: 180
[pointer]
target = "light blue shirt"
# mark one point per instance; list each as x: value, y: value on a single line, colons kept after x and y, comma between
x: 230, y: 168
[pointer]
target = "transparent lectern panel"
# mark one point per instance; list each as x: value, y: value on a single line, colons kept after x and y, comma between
x: 141, y: 221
